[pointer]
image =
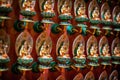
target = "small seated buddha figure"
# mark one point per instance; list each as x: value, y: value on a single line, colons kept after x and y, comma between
x: 5, y: 3
x: 81, y: 12
x: 107, y: 15
x: 48, y: 6
x: 95, y: 14
x: 105, y: 50
x: 116, y: 50
x: 24, y: 51
x: 65, y: 8
x: 27, y: 5
x: 45, y: 50
x: 93, y: 50
x: 63, y: 51
x: 3, y: 49
x: 80, y: 51
x: 118, y: 18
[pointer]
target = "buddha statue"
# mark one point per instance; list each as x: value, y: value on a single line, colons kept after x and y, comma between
x: 48, y: 6
x: 24, y: 50
x: 28, y: 5
x: 105, y: 50
x: 63, y: 51
x: 80, y: 51
x: 3, y: 50
x: 116, y: 50
x: 45, y: 50
x: 81, y: 12
x: 118, y: 18
x: 5, y: 3
x: 107, y: 16
x: 93, y: 50
x: 65, y: 8
x: 95, y: 14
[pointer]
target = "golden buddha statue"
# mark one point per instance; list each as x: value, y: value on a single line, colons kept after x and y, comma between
x: 25, y: 50
x: 28, y: 5
x: 45, y: 50
x: 63, y: 52
x: 107, y: 15
x: 5, y: 3
x: 105, y: 50
x: 117, y: 50
x: 93, y: 50
x: 80, y: 51
x: 118, y: 18
x: 95, y: 14
x: 3, y: 49
x: 81, y: 12
x: 48, y: 6
x: 65, y: 8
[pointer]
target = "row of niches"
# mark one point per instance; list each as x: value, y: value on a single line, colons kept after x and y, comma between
x: 96, y: 14
x: 24, y: 46
x: 43, y: 46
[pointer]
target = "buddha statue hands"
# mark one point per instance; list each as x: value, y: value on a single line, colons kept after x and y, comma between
x: 81, y: 11
x: 118, y: 18
x: 107, y: 15
x: 28, y: 5
x: 48, y: 6
x: 105, y: 50
x: 25, y: 50
x: 95, y: 14
x: 80, y: 51
x: 93, y: 50
x: 65, y: 8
